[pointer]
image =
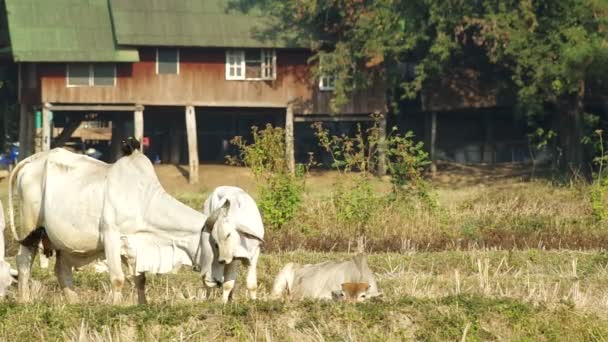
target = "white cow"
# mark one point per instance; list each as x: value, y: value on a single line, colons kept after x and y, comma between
x: 6, y: 272
x: 89, y: 209
x: 234, y: 233
x: 349, y: 280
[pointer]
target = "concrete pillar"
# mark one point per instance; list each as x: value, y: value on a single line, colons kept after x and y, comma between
x: 289, y: 139
x: 192, y: 144
x: 138, y: 125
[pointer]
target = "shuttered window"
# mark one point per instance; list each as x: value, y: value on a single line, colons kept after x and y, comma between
x: 87, y: 75
x: 78, y: 75
x: 104, y: 74
x: 167, y: 61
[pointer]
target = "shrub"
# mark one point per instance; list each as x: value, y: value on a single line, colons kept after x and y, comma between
x: 280, y: 190
x: 599, y: 188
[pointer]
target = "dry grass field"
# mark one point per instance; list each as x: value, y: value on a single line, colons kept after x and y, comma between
x: 500, y: 258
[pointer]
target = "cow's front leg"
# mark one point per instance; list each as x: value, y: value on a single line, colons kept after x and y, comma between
x: 230, y: 272
x: 25, y: 259
x: 140, y: 285
x: 252, y: 276
x: 63, y: 271
x: 112, y: 244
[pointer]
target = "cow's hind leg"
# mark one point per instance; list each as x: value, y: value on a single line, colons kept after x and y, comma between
x: 140, y: 285
x: 63, y: 271
x: 112, y: 246
x: 283, y: 281
x: 25, y: 259
x: 230, y: 272
x: 252, y: 276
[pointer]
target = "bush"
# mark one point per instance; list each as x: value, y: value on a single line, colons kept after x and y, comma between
x: 599, y: 188
x: 280, y: 190
x: 280, y: 199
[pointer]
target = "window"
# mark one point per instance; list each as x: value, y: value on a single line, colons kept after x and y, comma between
x: 251, y: 64
x: 103, y: 74
x: 235, y: 65
x: 87, y: 75
x: 167, y: 61
x: 326, y: 81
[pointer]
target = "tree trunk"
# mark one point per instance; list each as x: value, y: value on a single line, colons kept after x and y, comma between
x: 571, y: 130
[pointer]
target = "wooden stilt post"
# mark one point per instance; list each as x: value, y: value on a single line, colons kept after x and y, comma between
x: 289, y: 139
x: 382, y: 145
x: 138, y: 125
x: 46, y: 127
x: 433, y: 142
x: 192, y: 143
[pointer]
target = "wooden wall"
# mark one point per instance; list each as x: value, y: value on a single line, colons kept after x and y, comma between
x: 201, y: 82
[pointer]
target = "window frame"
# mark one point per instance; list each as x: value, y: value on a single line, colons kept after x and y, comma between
x: 239, y: 63
x: 327, y: 82
x: 92, y: 76
x: 91, y: 82
x: 177, y: 62
x: 268, y: 65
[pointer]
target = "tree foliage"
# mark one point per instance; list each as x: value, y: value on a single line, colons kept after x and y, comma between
x: 549, y: 50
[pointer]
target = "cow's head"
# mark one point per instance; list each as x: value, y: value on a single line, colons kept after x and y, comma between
x: 226, y: 233
x: 352, y: 292
x: 6, y: 277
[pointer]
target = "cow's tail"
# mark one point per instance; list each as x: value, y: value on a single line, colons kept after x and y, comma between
x: 11, y: 179
x: 284, y: 280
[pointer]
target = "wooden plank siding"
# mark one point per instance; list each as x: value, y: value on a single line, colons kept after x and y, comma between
x: 201, y: 82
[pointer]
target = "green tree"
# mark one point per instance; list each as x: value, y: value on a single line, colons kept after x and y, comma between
x: 553, y: 50
x: 549, y: 50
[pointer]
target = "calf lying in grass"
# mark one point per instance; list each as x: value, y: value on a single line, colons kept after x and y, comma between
x: 350, y: 280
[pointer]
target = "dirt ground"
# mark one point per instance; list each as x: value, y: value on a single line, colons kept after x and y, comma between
x: 449, y: 175
x: 175, y: 178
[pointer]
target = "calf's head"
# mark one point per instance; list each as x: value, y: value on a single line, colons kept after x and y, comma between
x: 352, y: 292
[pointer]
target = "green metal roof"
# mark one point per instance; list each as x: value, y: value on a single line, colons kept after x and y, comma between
x: 204, y: 23
x: 63, y: 31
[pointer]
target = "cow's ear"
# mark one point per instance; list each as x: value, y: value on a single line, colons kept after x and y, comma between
x: 249, y: 232
x: 210, y: 222
x: 226, y: 205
